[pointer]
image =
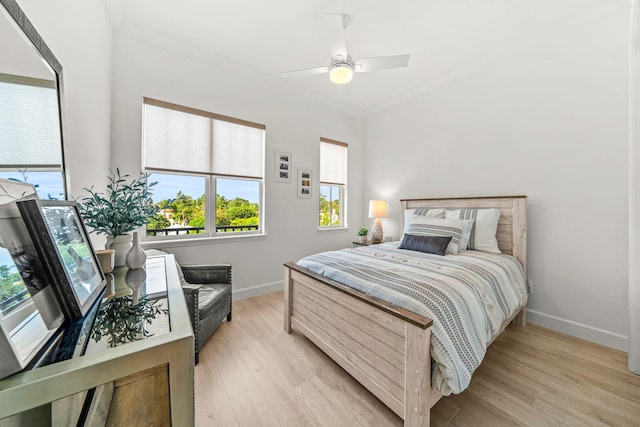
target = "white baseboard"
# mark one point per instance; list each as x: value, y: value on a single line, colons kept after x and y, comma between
x: 254, y: 291
x: 586, y: 332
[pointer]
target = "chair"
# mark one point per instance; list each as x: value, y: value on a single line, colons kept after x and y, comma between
x: 207, y: 291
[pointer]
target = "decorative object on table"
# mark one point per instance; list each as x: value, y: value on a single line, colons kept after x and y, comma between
x: 134, y: 279
x: 124, y: 207
x: 377, y: 210
x: 136, y: 257
x: 363, y: 232
x: 121, y: 246
x: 283, y: 166
x: 122, y: 321
x: 304, y: 183
x: 63, y: 244
x: 107, y: 259
x: 29, y: 311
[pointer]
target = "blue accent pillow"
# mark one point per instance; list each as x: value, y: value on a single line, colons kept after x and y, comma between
x: 428, y: 244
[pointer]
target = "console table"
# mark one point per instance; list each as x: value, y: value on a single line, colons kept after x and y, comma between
x: 161, y: 358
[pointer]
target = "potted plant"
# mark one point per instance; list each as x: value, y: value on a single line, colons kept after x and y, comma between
x: 362, y: 234
x: 123, y: 207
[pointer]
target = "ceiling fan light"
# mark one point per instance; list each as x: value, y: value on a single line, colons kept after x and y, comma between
x: 341, y: 74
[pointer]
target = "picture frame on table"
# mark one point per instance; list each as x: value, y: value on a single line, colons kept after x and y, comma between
x: 30, y: 314
x: 63, y: 243
x: 305, y: 181
x: 283, y: 166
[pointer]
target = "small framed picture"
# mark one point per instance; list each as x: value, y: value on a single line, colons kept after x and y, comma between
x: 283, y: 166
x: 63, y: 243
x: 305, y: 179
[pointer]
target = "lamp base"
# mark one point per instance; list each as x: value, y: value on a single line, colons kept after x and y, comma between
x: 376, y: 233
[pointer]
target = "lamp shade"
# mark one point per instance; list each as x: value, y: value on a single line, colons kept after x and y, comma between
x: 341, y: 74
x: 377, y: 208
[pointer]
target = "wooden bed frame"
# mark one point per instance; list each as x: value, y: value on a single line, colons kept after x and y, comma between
x: 381, y: 345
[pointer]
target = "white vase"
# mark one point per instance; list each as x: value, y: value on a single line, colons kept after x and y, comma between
x: 362, y: 239
x: 136, y: 256
x: 122, y: 246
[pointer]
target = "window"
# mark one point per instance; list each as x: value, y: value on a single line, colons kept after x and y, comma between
x: 30, y: 134
x: 333, y: 183
x: 209, y: 171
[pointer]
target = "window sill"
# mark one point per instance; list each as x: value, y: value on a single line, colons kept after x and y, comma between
x: 197, y: 241
x: 333, y: 229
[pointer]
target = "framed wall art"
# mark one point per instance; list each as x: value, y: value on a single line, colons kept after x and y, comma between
x: 305, y: 179
x: 283, y: 166
x: 64, y: 245
x: 29, y: 311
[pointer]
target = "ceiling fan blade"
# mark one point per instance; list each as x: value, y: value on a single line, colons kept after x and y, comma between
x: 380, y: 63
x: 334, y: 26
x: 305, y: 72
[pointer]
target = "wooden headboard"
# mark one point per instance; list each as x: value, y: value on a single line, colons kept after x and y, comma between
x: 512, y: 226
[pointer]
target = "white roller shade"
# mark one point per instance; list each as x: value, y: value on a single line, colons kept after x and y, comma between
x: 237, y: 150
x: 29, y: 125
x: 333, y: 163
x: 176, y: 140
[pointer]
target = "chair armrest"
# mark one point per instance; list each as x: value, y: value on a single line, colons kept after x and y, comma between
x: 207, y: 274
x: 192, y: 298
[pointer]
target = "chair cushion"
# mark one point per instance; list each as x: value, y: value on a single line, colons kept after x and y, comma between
x: 213, y: 298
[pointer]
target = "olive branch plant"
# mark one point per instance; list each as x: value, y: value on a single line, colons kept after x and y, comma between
x: 123, y: 207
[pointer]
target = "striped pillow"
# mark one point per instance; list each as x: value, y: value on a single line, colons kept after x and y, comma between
x: 423, y: 226
x: 485, y: 226
x: 426, y: 212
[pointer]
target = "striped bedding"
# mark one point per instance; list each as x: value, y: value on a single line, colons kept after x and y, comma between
x: 468, y: 296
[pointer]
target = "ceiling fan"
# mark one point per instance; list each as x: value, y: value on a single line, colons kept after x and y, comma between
x: 342, y: 66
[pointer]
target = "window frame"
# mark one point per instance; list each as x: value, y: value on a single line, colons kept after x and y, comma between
x: 342, y: 187
x: 210, y: 231
x: 54, y: 84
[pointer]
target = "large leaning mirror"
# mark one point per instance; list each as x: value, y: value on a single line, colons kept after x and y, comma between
x: 31, y: 134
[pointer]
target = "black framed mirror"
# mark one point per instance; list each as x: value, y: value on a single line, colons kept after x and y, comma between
x: 31, y: 113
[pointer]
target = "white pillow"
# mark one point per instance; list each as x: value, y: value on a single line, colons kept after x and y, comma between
x: 426, y: 212
x: 425, y: 226
x: 467, y: 227
x: 483, y: 233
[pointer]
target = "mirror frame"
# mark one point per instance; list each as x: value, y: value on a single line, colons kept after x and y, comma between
x: 21, y: 20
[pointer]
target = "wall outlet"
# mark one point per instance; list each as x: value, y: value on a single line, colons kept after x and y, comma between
x: 529, y: 286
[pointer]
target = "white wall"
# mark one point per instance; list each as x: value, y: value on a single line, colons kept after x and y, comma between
x: 550, y: 122
x: 294, y: 124
x: 79, y: 35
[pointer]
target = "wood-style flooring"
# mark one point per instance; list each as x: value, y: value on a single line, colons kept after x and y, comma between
x: 251, y: 373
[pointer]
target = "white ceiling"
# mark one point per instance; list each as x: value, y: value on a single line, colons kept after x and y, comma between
x: 446, y: 38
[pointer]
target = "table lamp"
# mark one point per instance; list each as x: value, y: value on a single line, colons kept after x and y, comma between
x: 377, y: 210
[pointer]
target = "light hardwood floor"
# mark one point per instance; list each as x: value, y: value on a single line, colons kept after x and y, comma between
x: 252, y: 373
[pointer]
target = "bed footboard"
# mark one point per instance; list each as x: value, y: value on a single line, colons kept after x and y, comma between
x: 386, y: 353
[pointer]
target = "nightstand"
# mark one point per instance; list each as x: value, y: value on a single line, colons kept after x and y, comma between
x: 367, y: 243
